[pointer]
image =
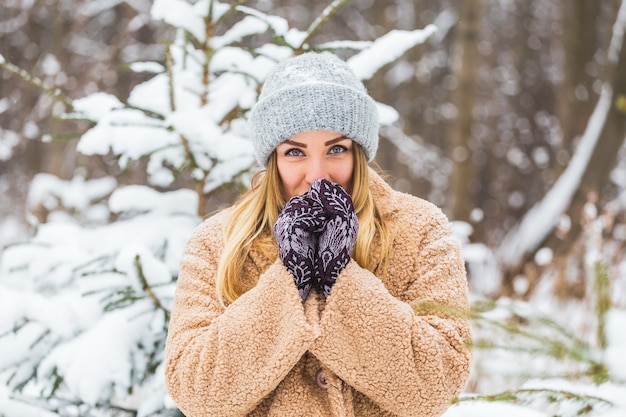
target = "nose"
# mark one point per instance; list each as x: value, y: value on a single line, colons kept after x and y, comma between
x: 316, y: 169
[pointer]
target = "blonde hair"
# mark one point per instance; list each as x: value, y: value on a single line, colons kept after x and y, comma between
x: 257, y: 210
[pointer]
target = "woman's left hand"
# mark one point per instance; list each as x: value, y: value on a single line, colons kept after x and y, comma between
x: 337, y: 240
x: 296, y: 231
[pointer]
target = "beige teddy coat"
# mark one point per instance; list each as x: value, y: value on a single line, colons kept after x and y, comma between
x: 260, y: 355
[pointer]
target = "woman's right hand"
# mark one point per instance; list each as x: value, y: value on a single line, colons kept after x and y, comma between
x: 338, y: 236
x: 296, y: 231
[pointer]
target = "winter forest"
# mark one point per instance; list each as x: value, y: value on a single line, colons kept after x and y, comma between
x: 123, y: 125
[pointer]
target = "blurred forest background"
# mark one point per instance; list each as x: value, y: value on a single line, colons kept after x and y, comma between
x: 493, y: 108
x: 494, y: 103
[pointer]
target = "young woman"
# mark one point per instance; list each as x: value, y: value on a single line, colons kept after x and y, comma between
x: 306, y: 298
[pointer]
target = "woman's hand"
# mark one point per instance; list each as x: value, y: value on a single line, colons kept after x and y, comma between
x: 296, y: 231
x: 338, y: 236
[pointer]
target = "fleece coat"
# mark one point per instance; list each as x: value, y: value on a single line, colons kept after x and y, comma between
x: 380, y: 353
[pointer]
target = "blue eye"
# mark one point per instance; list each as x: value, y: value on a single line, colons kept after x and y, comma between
x: 338, y: 149
x: 294, y: 152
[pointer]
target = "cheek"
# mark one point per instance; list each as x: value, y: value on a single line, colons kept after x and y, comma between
x: 343, y: 175
x: 345, y: 180
x: 290, y: 180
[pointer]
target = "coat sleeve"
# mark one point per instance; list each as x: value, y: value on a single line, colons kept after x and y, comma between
x: 224, y: 361
x: 408, y: 363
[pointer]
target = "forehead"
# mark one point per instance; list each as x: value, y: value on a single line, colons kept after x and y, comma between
x: 316, y: 136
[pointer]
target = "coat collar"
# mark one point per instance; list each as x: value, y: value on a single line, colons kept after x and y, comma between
x: 382, y: 193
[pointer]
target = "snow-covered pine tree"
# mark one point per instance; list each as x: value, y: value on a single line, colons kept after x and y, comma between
x: 85, y: 303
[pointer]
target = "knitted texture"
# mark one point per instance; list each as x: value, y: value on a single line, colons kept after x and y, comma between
x: 337, y: 239
x: 316, y: 233
x: 313, y: 91
x: 296, y: 231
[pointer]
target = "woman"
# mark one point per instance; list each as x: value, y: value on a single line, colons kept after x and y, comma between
x: 303, y: 299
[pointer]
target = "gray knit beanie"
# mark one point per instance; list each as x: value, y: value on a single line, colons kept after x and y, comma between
x: 313, y: 91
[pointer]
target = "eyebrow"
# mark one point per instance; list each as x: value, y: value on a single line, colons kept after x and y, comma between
x: 339, y: 139
x: 303, y: 145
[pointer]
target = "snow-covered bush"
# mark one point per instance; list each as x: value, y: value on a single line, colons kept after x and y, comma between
x: 84, y: 310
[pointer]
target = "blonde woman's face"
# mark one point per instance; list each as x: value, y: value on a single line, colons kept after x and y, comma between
x: 309, y: 156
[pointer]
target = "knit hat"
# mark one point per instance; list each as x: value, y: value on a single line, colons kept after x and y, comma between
x: 313, y: 91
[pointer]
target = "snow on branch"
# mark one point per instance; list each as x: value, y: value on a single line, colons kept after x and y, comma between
x: 618, y: 34
x: 387, y: 49
x: 544, y: 215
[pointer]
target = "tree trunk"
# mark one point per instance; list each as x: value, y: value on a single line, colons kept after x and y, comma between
x: 580, y: 43
x: 604, y: 158
x: 466, y: 60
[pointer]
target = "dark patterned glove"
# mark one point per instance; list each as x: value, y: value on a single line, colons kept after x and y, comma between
x: 338, y: 237
x: 296, y: 231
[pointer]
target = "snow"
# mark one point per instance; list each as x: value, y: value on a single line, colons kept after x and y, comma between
x: 143, y: 96
x: 97, y: 105
x: 544, y: 256
x: 227, y: 91
x: 277, y: 24
x: 619, y: 27
x: 8, y: 141
x: 491, y: 409
x: 355, y: 45
x: 138, y: 198
x: 147, y: 67
x: 180, y: 14
x: 70, y: 303
x: 615, y: 321
x: 387, y: 49
x: 246, y: 27
x: 50, y: 65
x: 387, y: 115
x: 16, y: 408
x: 607, y: 394
x: 50, y: 192
x: 545, y: 215
x: 87, y: 297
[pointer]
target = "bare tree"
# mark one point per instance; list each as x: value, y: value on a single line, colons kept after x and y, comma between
x: 465, y: 66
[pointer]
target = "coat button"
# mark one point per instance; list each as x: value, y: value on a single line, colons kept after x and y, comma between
x: 321, y: 379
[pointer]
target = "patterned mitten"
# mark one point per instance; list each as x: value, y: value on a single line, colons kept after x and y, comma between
x: 296, y: 231
x: 338, y: 237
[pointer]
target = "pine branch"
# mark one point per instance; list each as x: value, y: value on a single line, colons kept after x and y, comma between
x: 232, y: 8
x: 530, y: 336
x: 17, y: 326
x: 602, y: 292
x: 55, y: 93
x: 576, y: 350
x: 527, y: 396
x: 170, y: 75
x: 321, y: 20
x: 440, y: 309
x: 56, y: 383
x: 146, y: 287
